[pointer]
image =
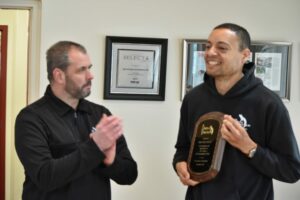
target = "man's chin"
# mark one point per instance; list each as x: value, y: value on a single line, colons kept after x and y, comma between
x: 86, y: 94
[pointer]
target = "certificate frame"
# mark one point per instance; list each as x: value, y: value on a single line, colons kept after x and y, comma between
x: 135, y: 68
x: 272, y: 60
x: 193, y: 66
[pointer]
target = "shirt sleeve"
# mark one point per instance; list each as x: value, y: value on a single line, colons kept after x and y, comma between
x: 124, y: 169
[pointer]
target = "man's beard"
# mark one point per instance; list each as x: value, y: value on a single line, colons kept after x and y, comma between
x: 76, y: 92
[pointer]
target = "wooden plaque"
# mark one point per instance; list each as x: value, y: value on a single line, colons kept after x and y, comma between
x: 207, y: 147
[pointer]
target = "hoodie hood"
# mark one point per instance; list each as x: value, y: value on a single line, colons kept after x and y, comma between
x: 248, y: 82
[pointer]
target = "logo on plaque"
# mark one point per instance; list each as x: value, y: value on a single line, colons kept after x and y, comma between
x: 207, y: 147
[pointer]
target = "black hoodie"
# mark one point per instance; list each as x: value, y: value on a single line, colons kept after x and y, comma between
x: 267, y: 122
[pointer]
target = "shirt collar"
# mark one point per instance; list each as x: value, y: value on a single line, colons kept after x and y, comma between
x: 61, y: 107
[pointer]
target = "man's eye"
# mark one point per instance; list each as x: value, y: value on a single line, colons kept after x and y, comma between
x: 82, y: 69
x: 222, y: 48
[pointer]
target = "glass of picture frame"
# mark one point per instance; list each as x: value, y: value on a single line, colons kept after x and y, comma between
x: 193, y: 67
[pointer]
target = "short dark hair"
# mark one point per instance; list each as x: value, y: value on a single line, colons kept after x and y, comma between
x: 241, y: 32
x: 57, y: 56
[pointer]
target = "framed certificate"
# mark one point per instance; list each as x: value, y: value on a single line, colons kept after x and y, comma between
x: 272, y: 60
x: 135, y: 68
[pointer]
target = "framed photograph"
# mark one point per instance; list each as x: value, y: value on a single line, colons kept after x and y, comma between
x: 193, y: 64
x: 272, y: 60
x: 135, y: 68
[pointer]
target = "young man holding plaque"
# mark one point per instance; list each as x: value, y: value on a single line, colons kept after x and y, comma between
x: 260, y: 143
x: 70, y: 147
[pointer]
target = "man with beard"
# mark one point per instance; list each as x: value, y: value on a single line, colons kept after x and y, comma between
x: 70, y: 148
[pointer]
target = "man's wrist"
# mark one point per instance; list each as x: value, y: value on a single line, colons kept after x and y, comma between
x: 252, y: 152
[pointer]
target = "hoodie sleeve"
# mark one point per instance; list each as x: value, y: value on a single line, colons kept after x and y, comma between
x: 279, y: 157
x: 183, y: 143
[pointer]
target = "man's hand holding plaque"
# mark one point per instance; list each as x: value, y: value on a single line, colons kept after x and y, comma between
x: 184, y: 175
x: 207, y: 147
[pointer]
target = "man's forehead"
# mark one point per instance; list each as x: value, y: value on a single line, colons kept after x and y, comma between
x: 76, y: 55
x: 75, y: 52
x: 78, y: 59
x: 223, y: 36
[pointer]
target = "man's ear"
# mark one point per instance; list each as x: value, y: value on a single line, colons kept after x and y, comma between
x: 58, y: 75
x: 246, y: 54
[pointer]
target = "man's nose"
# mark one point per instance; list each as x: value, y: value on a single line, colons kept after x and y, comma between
x: 210, y: 51
x: 90, y: 75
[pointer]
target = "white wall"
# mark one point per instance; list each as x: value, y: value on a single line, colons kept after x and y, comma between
x: 151, y: 127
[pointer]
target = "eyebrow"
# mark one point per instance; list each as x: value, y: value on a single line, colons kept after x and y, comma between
x: 219, y: 43
x: 84, y: 67
x: 223, y: 43
x: 89, y: 66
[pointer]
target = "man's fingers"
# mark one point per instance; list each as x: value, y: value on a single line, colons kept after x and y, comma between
x: 191, y: 182
x: 109, y: 122
x: 185, y: 179
x: 184, y: 175
x: 108, y: 130
x: 106, y: 120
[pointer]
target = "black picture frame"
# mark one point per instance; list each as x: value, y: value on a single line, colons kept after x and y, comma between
x: 135, y: 68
